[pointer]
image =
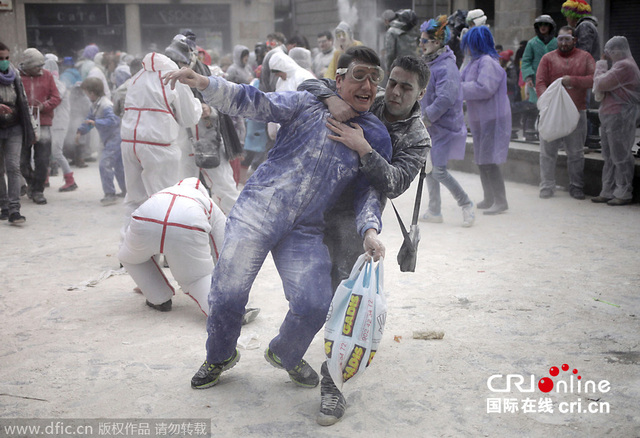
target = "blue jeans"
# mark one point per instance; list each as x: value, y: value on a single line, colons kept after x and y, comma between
x: 110, y: 166
x: 303, y: 263
x: 10, y: 160
x: 440, y: 175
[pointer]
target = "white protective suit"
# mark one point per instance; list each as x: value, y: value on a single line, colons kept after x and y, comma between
x: 153, y: 115
x: 295, y: 74
x: 185, y: 225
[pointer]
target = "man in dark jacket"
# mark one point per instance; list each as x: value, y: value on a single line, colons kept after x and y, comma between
x: 16, y: 132
x: 399, y: 110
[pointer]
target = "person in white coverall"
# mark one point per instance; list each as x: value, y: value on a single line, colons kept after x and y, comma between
x: 153, y: 115
x: 183, y: 223
x: 220, y: 178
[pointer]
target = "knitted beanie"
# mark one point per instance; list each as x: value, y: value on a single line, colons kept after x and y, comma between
x: 576, y: 9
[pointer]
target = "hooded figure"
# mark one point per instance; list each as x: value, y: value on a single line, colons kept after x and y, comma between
x: 617, y: 87
x: 484, y: 88
x: 402, y: 37
x: 42, y: 93
x: 60, y: 125
x: 184, y: 224
x: 154, y: 114
x: 443, y: 115
x: 302, y: 57
x: 240, y: 71
x: 342, y: 39
x: 289, y: 73
x: 541, y: 44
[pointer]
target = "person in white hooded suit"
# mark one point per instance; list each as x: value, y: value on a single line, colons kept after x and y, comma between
x: 289, y: 73
x: 184, y: 224
x: 153, y: 115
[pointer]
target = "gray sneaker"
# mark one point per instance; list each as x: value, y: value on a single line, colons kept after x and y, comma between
x: 332, y: 402
x: 468, y: 215
x: 431, y: 218
x: 109, y: 199
x: 302, y: 375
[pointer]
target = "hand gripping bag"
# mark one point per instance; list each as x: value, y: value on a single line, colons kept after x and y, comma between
x: 559, y: 116
x: 355, y: 321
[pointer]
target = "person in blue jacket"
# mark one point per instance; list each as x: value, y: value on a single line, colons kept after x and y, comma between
x: 102, y: 117
x: 443, y: 116
x: 281, y: 211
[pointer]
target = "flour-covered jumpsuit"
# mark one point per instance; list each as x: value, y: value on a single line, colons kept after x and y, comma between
x: 184, y: 224
x: 281, y: 210
x: 153, y: 115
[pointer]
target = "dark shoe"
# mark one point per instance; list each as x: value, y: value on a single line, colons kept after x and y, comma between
x: 617, y: 201
x: 484, y: 204
x: 496, y: 209
x: 24, y: 190
x: 209, y: 374
x: 164, y: 307
x: 600, y: 199
x: 81, y: 164
x: 4, y: 215
x: 332, y: 402
x: 576, y: 193
x: 121, y: 194
x: 302, y: 375
x: 546, y: 193
x: 249, y: 315
x: 38, y: 198
x: 15, y: 218
x: 90, y: 159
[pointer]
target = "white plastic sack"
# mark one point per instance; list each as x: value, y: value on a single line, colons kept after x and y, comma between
x: 355, y: 321
x: 558, y: 114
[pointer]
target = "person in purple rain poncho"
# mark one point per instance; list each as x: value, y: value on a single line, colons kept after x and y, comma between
x: 484, y: 87
x: 442, y: 114
x: 281, y: 211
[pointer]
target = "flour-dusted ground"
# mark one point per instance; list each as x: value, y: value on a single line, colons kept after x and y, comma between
x: 515, y: 295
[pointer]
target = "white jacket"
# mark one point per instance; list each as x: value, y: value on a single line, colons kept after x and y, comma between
x: 154, y: 112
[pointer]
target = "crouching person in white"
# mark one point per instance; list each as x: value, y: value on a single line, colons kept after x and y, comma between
x: 184, y: 224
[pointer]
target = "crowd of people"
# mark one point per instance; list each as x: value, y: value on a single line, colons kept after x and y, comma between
x: 292, y: 151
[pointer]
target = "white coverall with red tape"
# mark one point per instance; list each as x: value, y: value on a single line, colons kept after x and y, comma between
x: 183, y: 223
x: 153, y: 115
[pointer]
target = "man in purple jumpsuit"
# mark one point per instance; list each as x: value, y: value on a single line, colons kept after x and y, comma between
x: 281, y: 211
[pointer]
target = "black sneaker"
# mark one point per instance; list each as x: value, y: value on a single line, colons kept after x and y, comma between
x: 302, y: 375
x: 164, y: 307
x: 4, y: 215
x: 209, y: 374
x: 332, y: 402
x: 576, y: 193
x: 16, y: 218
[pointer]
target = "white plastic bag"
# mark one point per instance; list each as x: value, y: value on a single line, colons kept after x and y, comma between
x: 559, y: 116
x: 355, y: 321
